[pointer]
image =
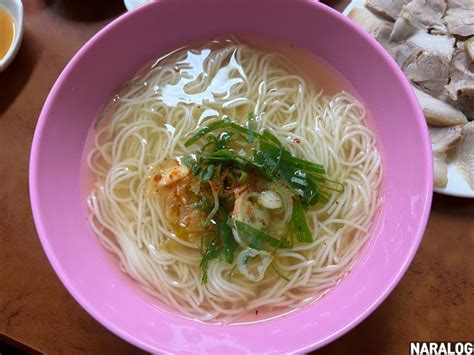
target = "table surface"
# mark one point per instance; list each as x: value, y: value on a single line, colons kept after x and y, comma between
x: 434, y: 300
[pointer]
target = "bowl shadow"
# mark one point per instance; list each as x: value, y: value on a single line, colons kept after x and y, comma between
x: 16, y: 75
x: 362, y: 339
x: 87, y: 10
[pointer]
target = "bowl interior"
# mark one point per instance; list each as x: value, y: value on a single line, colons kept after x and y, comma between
x: 117, y: 52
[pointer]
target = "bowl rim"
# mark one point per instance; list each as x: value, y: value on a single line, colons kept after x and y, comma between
x: 81, y: 298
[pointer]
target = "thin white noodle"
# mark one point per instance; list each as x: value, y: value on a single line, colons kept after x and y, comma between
x: 145, y: 127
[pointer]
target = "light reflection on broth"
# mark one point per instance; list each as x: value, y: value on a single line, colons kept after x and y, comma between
x: 235, y: 239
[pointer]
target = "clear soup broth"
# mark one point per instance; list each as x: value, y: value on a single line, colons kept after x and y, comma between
x: 206, y: 219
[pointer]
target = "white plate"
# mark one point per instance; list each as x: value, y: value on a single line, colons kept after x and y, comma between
x: 354, y: 3
x: 131, y: 4
x: 457, y: 184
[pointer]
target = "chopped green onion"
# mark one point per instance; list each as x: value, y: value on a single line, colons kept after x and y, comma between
x: 251, y: 128
x: 299, y: 225
x: 208, y: 173
x: 267, y: 136
x: 210, y: 253
x: 213, y: 126
x: 243, y: 177
x: 225, y: 232
x: 271, y: 161
x: 255, y: 238
x: 214, y: 210
x: 191, y: 163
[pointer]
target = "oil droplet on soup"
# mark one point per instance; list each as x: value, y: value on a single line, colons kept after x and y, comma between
x: 7, y: 32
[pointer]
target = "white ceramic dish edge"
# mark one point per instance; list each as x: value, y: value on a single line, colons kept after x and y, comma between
x: 15, y: 9
x: 132, y: 4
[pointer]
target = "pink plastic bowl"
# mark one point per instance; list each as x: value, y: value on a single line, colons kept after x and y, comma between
x: 119, y: 50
